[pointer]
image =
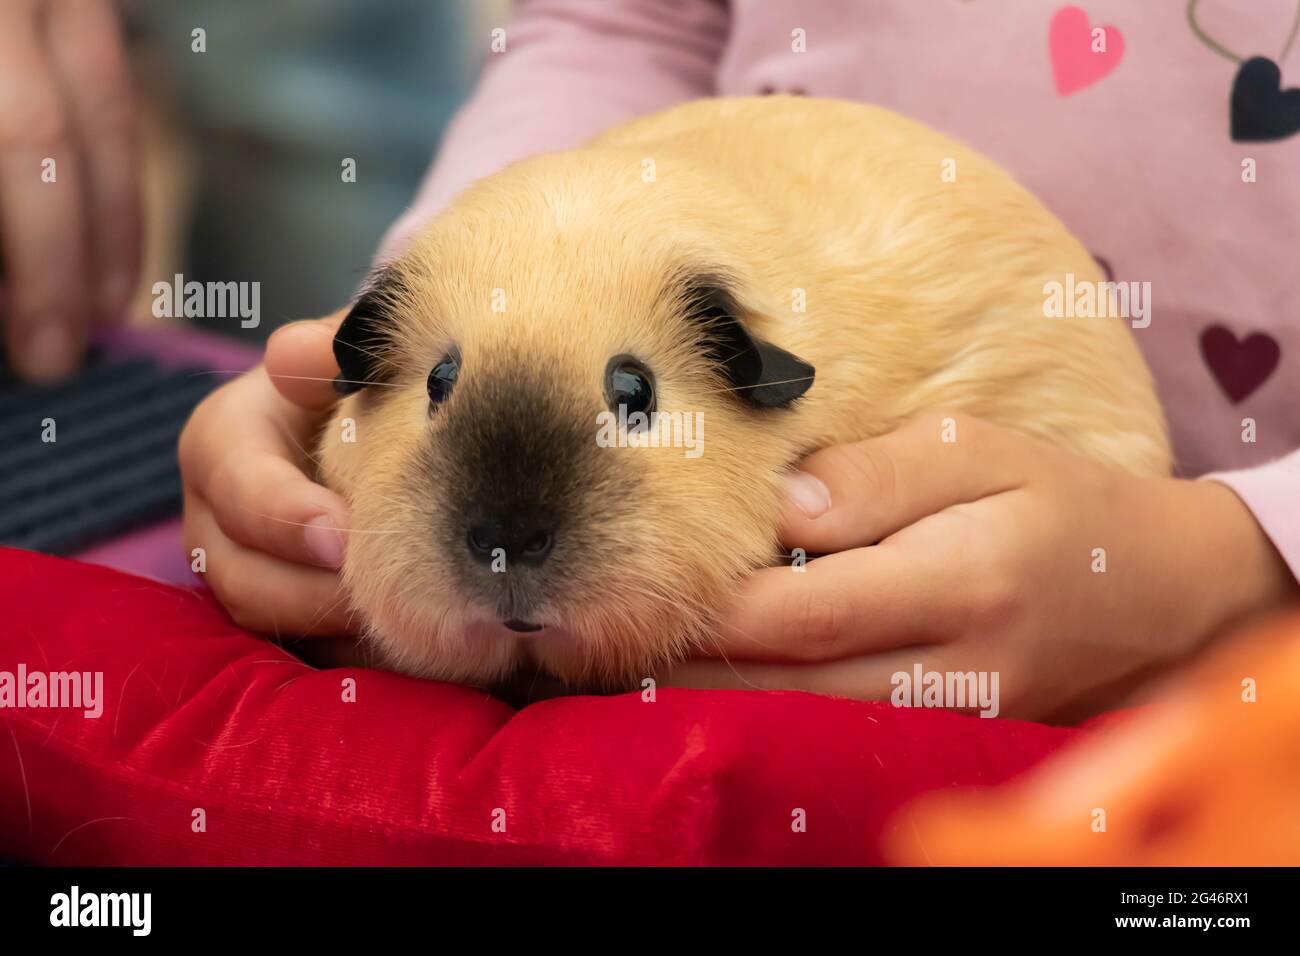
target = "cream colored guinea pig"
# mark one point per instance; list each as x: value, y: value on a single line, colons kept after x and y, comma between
x: 699, y: 264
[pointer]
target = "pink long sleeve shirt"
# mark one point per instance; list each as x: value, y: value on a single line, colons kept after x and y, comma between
x: 1160, y: 133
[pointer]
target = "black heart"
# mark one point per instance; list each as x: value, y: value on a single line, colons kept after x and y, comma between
x: 1261, y: 110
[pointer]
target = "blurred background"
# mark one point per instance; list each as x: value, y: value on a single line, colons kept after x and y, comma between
x: 244, y: 140
x: 244, y: 143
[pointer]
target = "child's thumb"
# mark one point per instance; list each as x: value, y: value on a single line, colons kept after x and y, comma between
x: 300, y: 360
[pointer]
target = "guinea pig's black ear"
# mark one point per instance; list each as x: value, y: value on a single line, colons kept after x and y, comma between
x: 761, y: 373
x: 366, y: 332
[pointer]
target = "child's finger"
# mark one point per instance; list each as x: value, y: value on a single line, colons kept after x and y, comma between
x: 243, y: 452
x: 262, y: 593
x: 849, y: 496
x: 300, y: 361
x: 862, y: 601
x: 262, y: 500
x: 861, y: 678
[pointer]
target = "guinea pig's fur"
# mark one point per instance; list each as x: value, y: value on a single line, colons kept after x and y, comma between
x: 687, y: 241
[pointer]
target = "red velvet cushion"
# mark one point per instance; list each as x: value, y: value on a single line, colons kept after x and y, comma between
x: 199, y: 715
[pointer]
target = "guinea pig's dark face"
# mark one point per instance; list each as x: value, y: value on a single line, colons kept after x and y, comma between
x: 509, y: 501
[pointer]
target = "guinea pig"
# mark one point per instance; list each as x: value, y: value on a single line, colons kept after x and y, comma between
x: 768, y: 276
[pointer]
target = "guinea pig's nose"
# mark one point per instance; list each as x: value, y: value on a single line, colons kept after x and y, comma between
x: 527, y: 545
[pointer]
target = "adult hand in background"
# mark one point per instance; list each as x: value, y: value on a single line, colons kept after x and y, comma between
x: 69, y: 179
x: 990, y: 559
x: 273, y: 537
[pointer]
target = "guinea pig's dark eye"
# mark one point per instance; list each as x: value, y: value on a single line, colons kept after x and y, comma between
x: 443, y: 377
x: 628, y: 384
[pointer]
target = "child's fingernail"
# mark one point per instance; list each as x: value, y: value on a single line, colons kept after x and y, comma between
x: 324, y: 541
x: 808, y: 493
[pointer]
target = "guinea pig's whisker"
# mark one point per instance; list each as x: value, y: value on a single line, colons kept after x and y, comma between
x: 735, y: 355
x: 532, y: 685
x: 345, y: 381
x: 367, y: 383
x: 746, y: 635
x: 324, y: 613
x: 738, y: 388
x: 732, y: 667
x: 302, y: 378
x: 217, y: 371
x: 303, y: 524
x: 376, y: 354
x: 400, y: 505
x: 306, y: 454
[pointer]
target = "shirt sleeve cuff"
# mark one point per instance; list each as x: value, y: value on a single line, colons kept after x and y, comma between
x: 1272, y: 493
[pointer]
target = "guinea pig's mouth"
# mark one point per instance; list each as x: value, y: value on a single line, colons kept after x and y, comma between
x: 522, y: 627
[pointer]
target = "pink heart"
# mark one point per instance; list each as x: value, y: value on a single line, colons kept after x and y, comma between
x: 1239, y: 365
x: 1074, y: 63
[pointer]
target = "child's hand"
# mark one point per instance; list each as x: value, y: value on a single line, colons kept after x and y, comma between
x: 990, y: 559
x: 270, y: 533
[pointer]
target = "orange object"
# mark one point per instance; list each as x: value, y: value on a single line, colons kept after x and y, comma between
x: 1209, y: 774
